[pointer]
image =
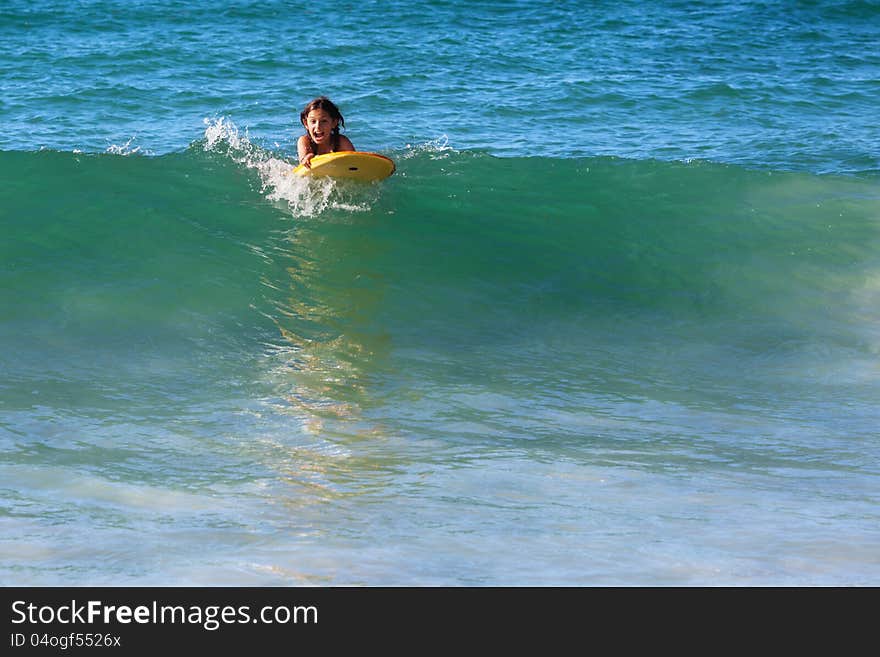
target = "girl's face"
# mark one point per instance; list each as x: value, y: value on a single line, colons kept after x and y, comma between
x: 320, y: 126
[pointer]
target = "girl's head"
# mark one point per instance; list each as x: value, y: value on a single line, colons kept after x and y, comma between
x: 321, y: 119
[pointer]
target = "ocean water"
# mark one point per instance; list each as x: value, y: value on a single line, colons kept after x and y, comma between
x: 615, y: 320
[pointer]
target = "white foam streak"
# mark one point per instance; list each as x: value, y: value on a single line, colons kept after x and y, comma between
x: 124, y: 149
x: 435, y: 148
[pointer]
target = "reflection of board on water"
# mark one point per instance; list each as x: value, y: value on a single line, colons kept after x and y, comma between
x: 356, y: 165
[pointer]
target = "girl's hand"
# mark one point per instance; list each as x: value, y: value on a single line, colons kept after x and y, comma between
x: 306, y: 160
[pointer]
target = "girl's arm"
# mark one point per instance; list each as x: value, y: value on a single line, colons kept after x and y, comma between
x: 304, y: 152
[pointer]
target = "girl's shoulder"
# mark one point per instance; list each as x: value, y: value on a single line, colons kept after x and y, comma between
x: 345, y: 144
x: 304, y: 145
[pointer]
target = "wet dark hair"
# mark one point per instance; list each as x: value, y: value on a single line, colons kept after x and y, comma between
x: 323, y: 103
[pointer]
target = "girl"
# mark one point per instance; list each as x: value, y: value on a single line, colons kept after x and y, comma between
x: 321, y: 119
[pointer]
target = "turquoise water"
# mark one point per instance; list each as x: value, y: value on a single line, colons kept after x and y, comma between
x: 615, y: 320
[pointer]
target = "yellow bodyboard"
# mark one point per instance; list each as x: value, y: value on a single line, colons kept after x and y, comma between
x: 355, y: 165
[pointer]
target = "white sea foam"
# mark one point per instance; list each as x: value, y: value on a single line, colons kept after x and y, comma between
x: 126, y: 148
x: 436, y: 148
